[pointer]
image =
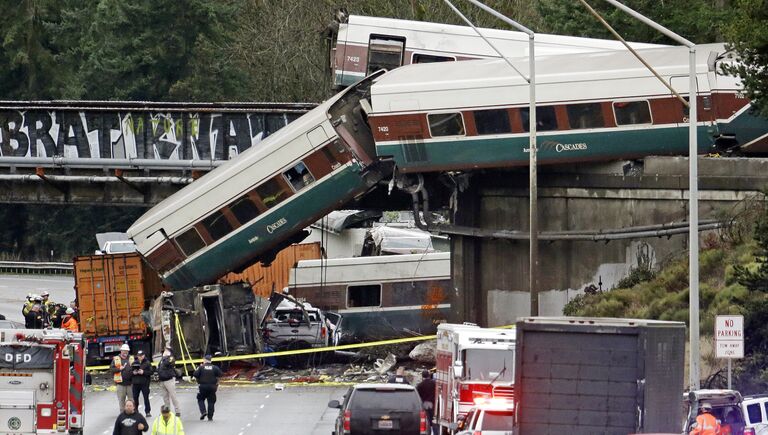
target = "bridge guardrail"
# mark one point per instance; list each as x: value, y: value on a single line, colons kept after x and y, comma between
x: 36, y: 267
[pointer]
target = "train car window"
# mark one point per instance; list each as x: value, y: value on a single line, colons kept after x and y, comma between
x: 494, y: 121
x: 385, y: 52
x: 190, y: 242
x: 588, y: 115
x: 244, y: 209
x: 272, y: 193
x: 217, y: 225
x: 364, y: 296
x: 429, y: 58
x: 632, y: 112
x: 545, y: 118
x: 299, y: 176
x: 446, y: 124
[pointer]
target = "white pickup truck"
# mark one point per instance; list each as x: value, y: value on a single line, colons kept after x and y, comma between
x: 292, y: 324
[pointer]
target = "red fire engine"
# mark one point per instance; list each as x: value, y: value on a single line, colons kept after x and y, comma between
x: 473, y: 364
x: 42, y: 373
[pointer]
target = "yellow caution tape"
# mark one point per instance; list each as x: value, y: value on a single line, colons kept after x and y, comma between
x: 305, y: 351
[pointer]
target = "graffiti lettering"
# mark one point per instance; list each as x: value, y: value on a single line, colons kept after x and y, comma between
x: 134, y: 134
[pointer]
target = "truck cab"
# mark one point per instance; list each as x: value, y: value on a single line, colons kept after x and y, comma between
x: 474, y: 365
x: 45, y: 373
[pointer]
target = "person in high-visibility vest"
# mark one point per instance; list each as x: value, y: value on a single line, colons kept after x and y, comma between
x: 706, y: 423
x: 69, y: 323
x: 167, y: 423
x: 121, y: 370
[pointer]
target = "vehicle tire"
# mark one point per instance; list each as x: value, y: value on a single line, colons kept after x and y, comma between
x: 293, y: 361
x: 75, y: 432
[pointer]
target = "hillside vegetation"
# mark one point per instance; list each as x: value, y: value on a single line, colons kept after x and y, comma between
x: 733, y: 270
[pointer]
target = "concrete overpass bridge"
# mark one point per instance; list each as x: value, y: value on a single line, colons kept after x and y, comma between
x: 123, y: 153
x: 596, y: 222
x: 139, y: 153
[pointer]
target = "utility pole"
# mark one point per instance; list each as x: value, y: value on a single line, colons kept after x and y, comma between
x: 693, y: 191
x: 533, y: 222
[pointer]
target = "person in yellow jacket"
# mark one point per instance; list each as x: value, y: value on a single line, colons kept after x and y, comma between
x: 167, y: 423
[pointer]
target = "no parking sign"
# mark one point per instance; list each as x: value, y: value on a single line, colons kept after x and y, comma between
x: 729, y: 337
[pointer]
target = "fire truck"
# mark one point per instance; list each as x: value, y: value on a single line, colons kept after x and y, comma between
x: 42, y: 373
x: 474, y: 365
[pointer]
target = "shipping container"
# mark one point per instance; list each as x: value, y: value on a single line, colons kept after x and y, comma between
x: 586, y: 376
x: 113, y: 291
x: 265, y: 279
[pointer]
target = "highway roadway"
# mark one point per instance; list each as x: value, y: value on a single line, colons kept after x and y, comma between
x: 14, y: 289
x: 240, y: 410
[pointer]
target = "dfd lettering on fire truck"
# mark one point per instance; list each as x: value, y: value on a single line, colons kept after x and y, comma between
x: 473, y: 364
x: 42, y: 373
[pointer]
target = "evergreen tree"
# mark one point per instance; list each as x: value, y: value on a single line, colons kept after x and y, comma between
x: 747, y: 31
x: 697, y: 20
x: 756, y: 279
x: 27, y: 59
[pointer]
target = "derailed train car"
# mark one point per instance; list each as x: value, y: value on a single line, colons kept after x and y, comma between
x: 380, y: 296
x: 590, y: 107
x: 211, y: 319
x: 255, y: 205
x: 449, y: 116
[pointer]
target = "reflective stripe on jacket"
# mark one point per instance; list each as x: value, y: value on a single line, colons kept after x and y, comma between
x: 171, y: 427
x: 706, y: 424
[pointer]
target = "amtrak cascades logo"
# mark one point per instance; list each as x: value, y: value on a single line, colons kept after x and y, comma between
x: 271, y: 228
x: 14, y: 423
x: 570, y: 147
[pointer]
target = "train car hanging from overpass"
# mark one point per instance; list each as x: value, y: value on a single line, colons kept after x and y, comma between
x: 362, y: 45
x: 255, y: 205
x: 590, y: 106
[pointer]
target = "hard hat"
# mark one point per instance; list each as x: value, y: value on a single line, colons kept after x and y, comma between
x: 706, y: 406
x: 44, y: 294
x: 37, y: 298
x: 125, y: 347
x: 70, y: 310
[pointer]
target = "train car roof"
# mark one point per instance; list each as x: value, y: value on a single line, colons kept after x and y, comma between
x: 154, y: 216
x: 440, y: 30
x: 414, y: 82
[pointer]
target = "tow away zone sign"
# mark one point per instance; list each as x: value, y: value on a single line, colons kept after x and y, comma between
x: 729, y: 337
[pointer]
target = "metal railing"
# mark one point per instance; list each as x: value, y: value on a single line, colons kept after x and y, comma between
x: 36, y: 267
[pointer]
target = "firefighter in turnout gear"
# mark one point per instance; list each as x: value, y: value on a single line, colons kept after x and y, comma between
x: 35, y: 318
x: 207, y: 376
x: 706, y: 423
x: 121, y: 370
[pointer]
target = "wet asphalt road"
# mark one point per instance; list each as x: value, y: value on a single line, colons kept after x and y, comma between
x: 240, y: 410
x: 14, y: 289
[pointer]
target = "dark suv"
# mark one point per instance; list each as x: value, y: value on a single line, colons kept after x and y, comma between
x: 380, y: 408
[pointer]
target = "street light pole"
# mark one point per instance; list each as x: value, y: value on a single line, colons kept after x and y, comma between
x: 693, y: 193
x: 533, y: 221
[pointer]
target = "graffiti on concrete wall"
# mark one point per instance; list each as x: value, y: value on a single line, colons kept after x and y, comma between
x: 134, y: 134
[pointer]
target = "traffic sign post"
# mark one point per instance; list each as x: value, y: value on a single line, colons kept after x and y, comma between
x: 729, y: 339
